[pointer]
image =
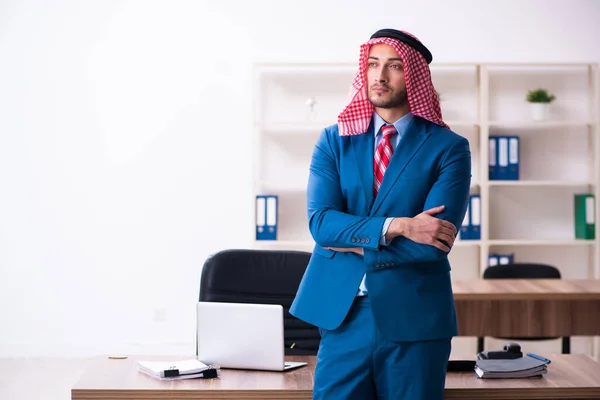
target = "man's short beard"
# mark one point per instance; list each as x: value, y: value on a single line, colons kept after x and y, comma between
x: 398, y: 100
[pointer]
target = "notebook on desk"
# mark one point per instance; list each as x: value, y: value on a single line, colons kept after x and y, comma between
x: 242, y: 336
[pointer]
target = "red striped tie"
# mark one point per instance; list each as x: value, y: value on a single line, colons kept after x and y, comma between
x: 383, y: 155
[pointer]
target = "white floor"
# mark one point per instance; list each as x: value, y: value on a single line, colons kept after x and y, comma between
x: 39, y: 378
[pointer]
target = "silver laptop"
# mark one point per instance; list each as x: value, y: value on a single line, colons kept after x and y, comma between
x: 242, y: 336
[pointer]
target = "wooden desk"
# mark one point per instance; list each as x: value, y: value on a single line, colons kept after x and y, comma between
x: 526, y: 308
x: 109, y: 379
x: 569, y: 377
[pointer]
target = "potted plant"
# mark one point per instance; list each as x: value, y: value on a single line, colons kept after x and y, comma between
x: 540, y: 100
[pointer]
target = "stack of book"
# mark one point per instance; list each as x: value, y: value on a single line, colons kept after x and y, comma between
x: 523, y: 367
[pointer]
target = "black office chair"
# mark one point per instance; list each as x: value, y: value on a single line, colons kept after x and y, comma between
x: 524, y: 271
x: 263, y: 277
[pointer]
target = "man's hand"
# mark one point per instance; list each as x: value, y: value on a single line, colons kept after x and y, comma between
x: 357, y: 250
x: 425, y: 229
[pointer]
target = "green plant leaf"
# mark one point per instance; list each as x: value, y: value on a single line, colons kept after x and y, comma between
x: 540, y: 96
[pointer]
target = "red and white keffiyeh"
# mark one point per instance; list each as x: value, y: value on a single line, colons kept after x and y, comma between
x: 422, y: 96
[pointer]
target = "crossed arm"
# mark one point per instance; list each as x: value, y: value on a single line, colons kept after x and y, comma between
x: 418, y: 239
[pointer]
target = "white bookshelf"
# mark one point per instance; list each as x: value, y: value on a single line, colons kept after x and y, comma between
x: 532, y: 218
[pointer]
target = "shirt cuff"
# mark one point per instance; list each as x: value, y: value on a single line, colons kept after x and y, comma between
x: 384, y: 230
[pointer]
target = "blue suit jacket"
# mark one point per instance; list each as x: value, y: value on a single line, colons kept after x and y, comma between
x: 409, y: 283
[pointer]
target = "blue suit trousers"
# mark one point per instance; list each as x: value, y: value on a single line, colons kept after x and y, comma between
x: 355, y: 362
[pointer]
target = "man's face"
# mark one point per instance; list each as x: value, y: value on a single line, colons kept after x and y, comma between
x: 385, y: 77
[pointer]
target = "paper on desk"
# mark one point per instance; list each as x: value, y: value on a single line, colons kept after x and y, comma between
x: 175, y: 370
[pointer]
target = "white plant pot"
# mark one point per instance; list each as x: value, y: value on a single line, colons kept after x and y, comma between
x: 540, y: 111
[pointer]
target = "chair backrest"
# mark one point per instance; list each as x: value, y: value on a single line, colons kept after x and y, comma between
x: 521, y: 271
x: 263, y: 277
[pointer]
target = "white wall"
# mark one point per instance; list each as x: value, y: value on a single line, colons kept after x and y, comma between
x: 124, y: 136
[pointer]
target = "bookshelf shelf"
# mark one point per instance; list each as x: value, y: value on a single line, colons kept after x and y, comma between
x: 526, y: 183
x: 549, y: 242
x: 559, y: 157
x: 538, y: 125
x: 309, y: 244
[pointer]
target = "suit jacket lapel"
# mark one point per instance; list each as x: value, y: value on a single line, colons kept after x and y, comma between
x: 363, y: 146
x: 416, y: 134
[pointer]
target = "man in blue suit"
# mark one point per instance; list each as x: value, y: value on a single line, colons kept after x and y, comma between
x: 388, y: 185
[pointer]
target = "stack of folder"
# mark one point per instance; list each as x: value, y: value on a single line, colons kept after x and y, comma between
x: 471, y: 226
x: 503, y: 158
x: 266, y: 217
x: 522, y: 367
x: 500, y: 259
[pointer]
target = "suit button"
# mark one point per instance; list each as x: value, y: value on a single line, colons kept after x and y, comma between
x: 363, y: 240
x: 367, y: 240
x: 353, y: 240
